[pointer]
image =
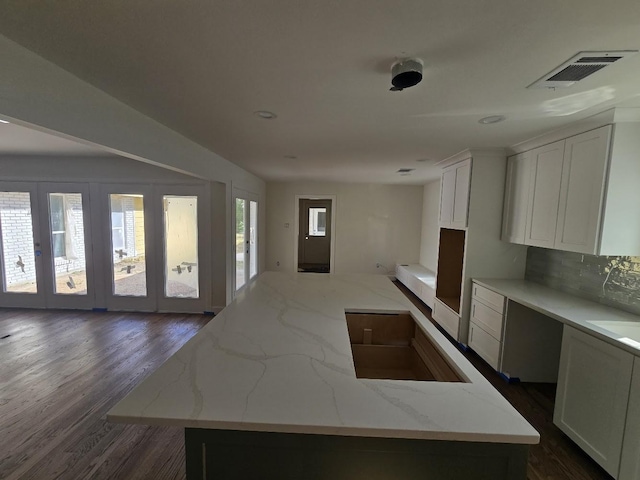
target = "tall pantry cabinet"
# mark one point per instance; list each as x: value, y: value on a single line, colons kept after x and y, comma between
x: 472, y: 192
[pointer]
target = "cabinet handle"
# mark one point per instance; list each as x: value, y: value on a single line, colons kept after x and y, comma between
x: 471, y: 337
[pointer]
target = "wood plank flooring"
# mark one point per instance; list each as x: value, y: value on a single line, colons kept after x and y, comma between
x: 61, y: 371
x: 556, y: 456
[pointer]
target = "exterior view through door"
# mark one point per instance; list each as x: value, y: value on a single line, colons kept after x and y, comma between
x: 314, y: 236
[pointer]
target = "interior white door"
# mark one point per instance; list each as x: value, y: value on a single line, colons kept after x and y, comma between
x: 184, y: 255
x: 128, y: 249
x: 65, y: 227
x: 21, y: 282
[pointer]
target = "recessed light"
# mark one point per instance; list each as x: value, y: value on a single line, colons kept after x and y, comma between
x: 291, y: 157
x: 3, y: 121
x: 405, y: 171
x: 265, y: 114
x: 423, y: 160
x: 492, y: 119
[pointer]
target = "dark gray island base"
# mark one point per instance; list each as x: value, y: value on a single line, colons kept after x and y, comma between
x: 242, y: 455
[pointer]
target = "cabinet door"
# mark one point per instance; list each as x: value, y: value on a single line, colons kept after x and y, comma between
x: 592, y: 396
x: 516, y: 198
x: 447, y: 195
x: 461, y: 196
x: 544, y: 194
x: 630, y: 462
x: 582, y: 191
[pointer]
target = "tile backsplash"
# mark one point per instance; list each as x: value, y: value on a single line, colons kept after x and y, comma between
x: 613, y: 281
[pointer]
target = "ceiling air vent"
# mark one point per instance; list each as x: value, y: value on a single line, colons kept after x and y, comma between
x: 580, y: 67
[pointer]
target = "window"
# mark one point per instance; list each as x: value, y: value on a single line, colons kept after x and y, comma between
x: 317, y: 222
x: 117, y: 223
x: 58, y: 226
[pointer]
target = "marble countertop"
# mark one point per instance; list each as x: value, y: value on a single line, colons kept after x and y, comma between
x: 568, y: 309
x: 278, y: 359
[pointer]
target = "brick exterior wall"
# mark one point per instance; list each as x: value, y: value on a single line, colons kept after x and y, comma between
x: 613, y: 281
x: 17, y: 237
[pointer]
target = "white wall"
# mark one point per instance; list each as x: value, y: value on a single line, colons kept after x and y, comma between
x: 374, y: 224
x: 429, y: 236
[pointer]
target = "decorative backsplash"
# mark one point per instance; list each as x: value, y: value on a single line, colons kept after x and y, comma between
x: 613, y: 281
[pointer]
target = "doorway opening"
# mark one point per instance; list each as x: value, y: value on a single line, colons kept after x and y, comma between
x: 314, y: 235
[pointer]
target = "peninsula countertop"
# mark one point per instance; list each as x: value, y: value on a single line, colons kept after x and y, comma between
x: 571, y: 310
x: 278, y: 359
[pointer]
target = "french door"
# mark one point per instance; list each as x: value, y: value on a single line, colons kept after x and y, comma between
x: 129, y: 252
x: 246, y: 240
x: 66, y: 246
x: 119, y: 246
x: 21, y: 253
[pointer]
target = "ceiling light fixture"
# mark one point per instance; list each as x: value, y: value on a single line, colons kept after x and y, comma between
x: 3, y: 121
x: 492, y: 119
x: 265, y: 114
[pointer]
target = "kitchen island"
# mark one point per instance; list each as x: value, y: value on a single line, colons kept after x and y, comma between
x: 268, y: 389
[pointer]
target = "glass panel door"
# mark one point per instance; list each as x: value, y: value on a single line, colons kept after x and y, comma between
x: 240, y: 239
x: 128, y: 227
x: 183, y: 241
x: 20, y: 268
x: 68, y: 262
x: 245, y: 239
x: 253, y: 239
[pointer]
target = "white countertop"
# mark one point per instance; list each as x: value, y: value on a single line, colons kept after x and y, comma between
x: 568, y: 309
x: 278, y: 359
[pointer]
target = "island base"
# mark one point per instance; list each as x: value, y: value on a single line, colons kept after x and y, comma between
x: 230, y: 454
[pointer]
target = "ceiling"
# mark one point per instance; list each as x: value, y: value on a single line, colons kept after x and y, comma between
x: 202, y: 67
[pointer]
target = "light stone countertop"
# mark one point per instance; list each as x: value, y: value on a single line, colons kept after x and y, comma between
x: 568, y: 309
x: 278, y: 359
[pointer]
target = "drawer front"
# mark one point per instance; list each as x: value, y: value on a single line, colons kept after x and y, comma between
x: 490, y: 320
x: 446, y: 318
x: 489, y: 297
x: 484, y: 345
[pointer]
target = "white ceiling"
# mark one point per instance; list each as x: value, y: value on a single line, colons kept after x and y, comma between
x: 203, y: 67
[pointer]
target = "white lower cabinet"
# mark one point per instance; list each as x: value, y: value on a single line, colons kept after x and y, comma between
x: 446, y: 318
x: 592, y: 397
x: 630, y: 461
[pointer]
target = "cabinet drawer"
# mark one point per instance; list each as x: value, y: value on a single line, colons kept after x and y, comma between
x: 484, y: 345
x: 489, y: 298
x: 446, y: 318
x: 490, y: 320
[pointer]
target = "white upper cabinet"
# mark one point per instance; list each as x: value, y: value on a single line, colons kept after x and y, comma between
x: 516, y: 198
x: 454, y: 195
x: 582, y: 191
x: 544, y: 195
x: 582, y: 194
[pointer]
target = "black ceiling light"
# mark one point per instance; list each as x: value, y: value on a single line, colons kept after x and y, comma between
x: 406, y: 73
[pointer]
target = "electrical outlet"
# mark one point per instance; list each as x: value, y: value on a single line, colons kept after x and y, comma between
x: 277, y: 264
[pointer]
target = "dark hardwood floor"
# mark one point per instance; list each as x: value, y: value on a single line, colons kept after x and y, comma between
x: 61, y: 371
x: 556, y: 456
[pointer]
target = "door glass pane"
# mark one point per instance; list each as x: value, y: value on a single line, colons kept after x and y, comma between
x: 19, y: 260
x: 317, y: 222
x: 67, y: 242
x: 253, y: 239
x: 181, y: 246
x: 240, y: 250
x: 128, y: 245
